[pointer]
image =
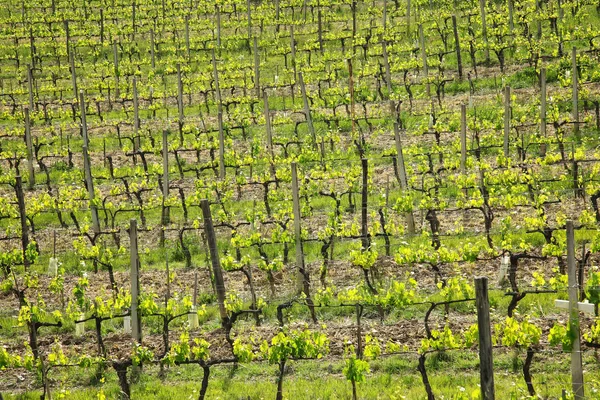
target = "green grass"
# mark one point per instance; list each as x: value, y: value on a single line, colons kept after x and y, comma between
x: 454, y: 376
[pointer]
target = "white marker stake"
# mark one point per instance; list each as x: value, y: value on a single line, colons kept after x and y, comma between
x: 127, y: 324
x: 80, y: 326
x: 52, y: 266
x: 504, y: 264
x: 193, y: 318
x: 584, y: 307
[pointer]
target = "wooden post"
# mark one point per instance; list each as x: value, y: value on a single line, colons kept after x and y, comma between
x: 195, y: 300
x: 32, y: 47
x: 277, y: 11
x: 484, y: 30
x: 136, y: 117
x: 221, y: 146
x: 90, y: 186
x: 165, y: 181
x: 575, y: 92
x: 102, y: 26
x: 576, y: 362
x: 136, y: 323
x: 71, y: 64
x: 133, y: 24
x: 104, y: 151
x: 511, y: 11
x: 219, y: 118
x: 304, y: 7
x: 214, y: 257
x: 366, y: 242
x: 187, y: 37
x: 351, y: 90
x: 30, y: 86
x: 293, y: 55
x: 84, y: 132
x: 89, y: 181
x: 386, y: 63
x: 543, y: 110
x: 401, y: 167
x: 463, y: 139
x: 165, y: 154
x: 507, y: 121
x: 408, y: 17
x: 354, y: 24
x: 561, y: 12
x: 116, y: 62
x: 216, y: 79
x: 29, y: 143
x: 168, y: 288
x: 486, y: 361
x: 256, y: 68
x: 297, y: 228
x: 359, y: 344
x: 309, y: 121
x: 151, y: 110
x: 424, y: 60
x: 320, y: 27
x: 23, y: 219
x: 180, y: 95
x: 268, y: 124
x: 581, y: 271
x: 410, y: 221
x: 218, y: 16
x: 249, y: 23
x: 152, y: 49
x: 457, y: 47
x: 67, y: 38
x: 576, y: 189
x: 538, y: 10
